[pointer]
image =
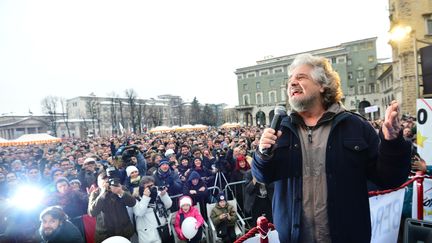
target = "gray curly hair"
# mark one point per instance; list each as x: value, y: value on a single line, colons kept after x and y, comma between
x: 322, y: 73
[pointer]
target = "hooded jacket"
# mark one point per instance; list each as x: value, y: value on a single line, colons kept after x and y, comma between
x: 354, y: 154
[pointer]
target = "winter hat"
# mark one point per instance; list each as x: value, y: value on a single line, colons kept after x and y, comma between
x: 241, y: 157
x: 221, y: 197
x: 130, y: 169
x: 169, y: 152
x: 54, y: 171
x: 185, y: 200
x: 164, y: 161
x: 194, y: 175
x: 75, y: 181
x: 62, y: 179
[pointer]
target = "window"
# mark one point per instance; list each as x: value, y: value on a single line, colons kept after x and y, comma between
x: 429, y: 26
x: 259, y: 98
x: 341, y: 60
x: 360, y: 73
x: 251, y: 75
x: 351, y: 90
x: 240, y: 76
x: 271, y: 83
x: 272, y: 97
x: 74, y: 104
x: 371, y: 58
x: 372, y: 73
x: 361, y: 89
x: 371, y: 88
x: 262, y: 73
x: 349, y: 62
x: 283, y: 94
x: 350, y: 75
x: 278, y: 70
x: 370, y: 45
x: 246, y: 99
x: 333, y: 60
x: 258, y: 85
x: 245, y: 87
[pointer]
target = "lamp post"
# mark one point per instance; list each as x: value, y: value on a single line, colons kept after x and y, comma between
x: 400, y: 32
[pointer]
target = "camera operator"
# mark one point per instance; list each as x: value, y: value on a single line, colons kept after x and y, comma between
x: 153, y: 203
x: 131, y: 155
x: 108, y: 204
x: 166, y: 176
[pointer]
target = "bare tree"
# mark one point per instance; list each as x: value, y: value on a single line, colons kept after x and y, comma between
x: 92, y: 107
x: 155, y: 115
x: 141, y: 113
x: 49, y: 106
x: 131, y: 96
x: 65, y: 111
x: 113, y: 112
x: 122, y: 119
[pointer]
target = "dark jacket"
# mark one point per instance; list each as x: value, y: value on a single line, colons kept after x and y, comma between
x: 112, y: 217
x: 251, y: 192
x: 354, y: 155
x: 200, y: 196
x: 66, y: 233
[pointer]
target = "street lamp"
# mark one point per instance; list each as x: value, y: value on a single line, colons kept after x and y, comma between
x: 397, y: 34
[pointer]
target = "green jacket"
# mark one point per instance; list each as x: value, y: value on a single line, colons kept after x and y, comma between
x: 218, y: 210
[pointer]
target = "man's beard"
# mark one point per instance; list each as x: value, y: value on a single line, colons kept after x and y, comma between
x: 302, y: 104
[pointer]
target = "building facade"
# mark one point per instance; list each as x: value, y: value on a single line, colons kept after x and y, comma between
x: 405, y: 71
x: 13, y: 126
x: 263, y: 86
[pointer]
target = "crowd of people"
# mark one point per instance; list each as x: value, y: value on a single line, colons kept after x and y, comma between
x: 130, y: 184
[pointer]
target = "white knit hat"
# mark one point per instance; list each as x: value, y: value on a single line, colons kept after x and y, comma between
x: 130, y: 169
x: 185, y: 200
x: 169, y: 152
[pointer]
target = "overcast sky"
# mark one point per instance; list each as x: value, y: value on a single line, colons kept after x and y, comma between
x: 187, y: 48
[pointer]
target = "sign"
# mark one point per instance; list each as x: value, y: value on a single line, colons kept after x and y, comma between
x: 371, y: 109
x: 424, y: 129
x: 386, y: 213
x: 427, y: 200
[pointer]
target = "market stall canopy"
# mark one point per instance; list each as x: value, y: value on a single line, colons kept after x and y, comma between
x: 26, y: 139
x: 230, y: 125
x: 160, y: 129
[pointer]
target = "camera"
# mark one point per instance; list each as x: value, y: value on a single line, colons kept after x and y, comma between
x: 113, y: 176
x: 129, y: 152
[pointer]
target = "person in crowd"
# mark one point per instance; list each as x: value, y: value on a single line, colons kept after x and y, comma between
x: 74, y: 203
x: 322, y: 157
x: 55, y: 227
x: 239, y: 174
x: 224, y: 218
x: 206, y: 175
x: 196, y: 188
x: 257, y: 198
x: 154, y: 165
x: 75, y: 185
x: 153, y: 203
x: 166, y: 177
x: 108, y: 204
x: 33, y: 176
x: 132, y: 181
x: 187, y: 210
x: 88, y: 174
x: 184, y: 169
x: 185, y: 152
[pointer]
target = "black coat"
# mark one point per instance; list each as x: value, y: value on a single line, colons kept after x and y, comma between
x: 66, y: 233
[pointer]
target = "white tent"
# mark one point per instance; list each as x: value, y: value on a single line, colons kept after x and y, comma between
x: 26, y: 139
x: 160, y: 129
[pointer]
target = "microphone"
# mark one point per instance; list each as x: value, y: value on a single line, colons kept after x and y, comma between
x: 280, y: 112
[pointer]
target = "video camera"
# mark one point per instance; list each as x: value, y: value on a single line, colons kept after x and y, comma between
x: 129, y: 152
x: 113, y: 176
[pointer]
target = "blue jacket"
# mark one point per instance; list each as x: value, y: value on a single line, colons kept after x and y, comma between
x: 354, y: 155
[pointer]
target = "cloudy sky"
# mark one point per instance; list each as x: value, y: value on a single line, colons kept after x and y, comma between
x: 187, y: 48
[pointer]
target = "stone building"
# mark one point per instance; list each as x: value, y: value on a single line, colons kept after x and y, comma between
x: 263, y: 86
x: 416, y: 17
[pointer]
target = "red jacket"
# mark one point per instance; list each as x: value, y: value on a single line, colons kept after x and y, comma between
x: 193, y: 212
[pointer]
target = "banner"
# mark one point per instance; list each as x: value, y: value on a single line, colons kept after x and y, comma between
x: 424, y: 129
x: 386, y: 213
x: 427, y: 200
